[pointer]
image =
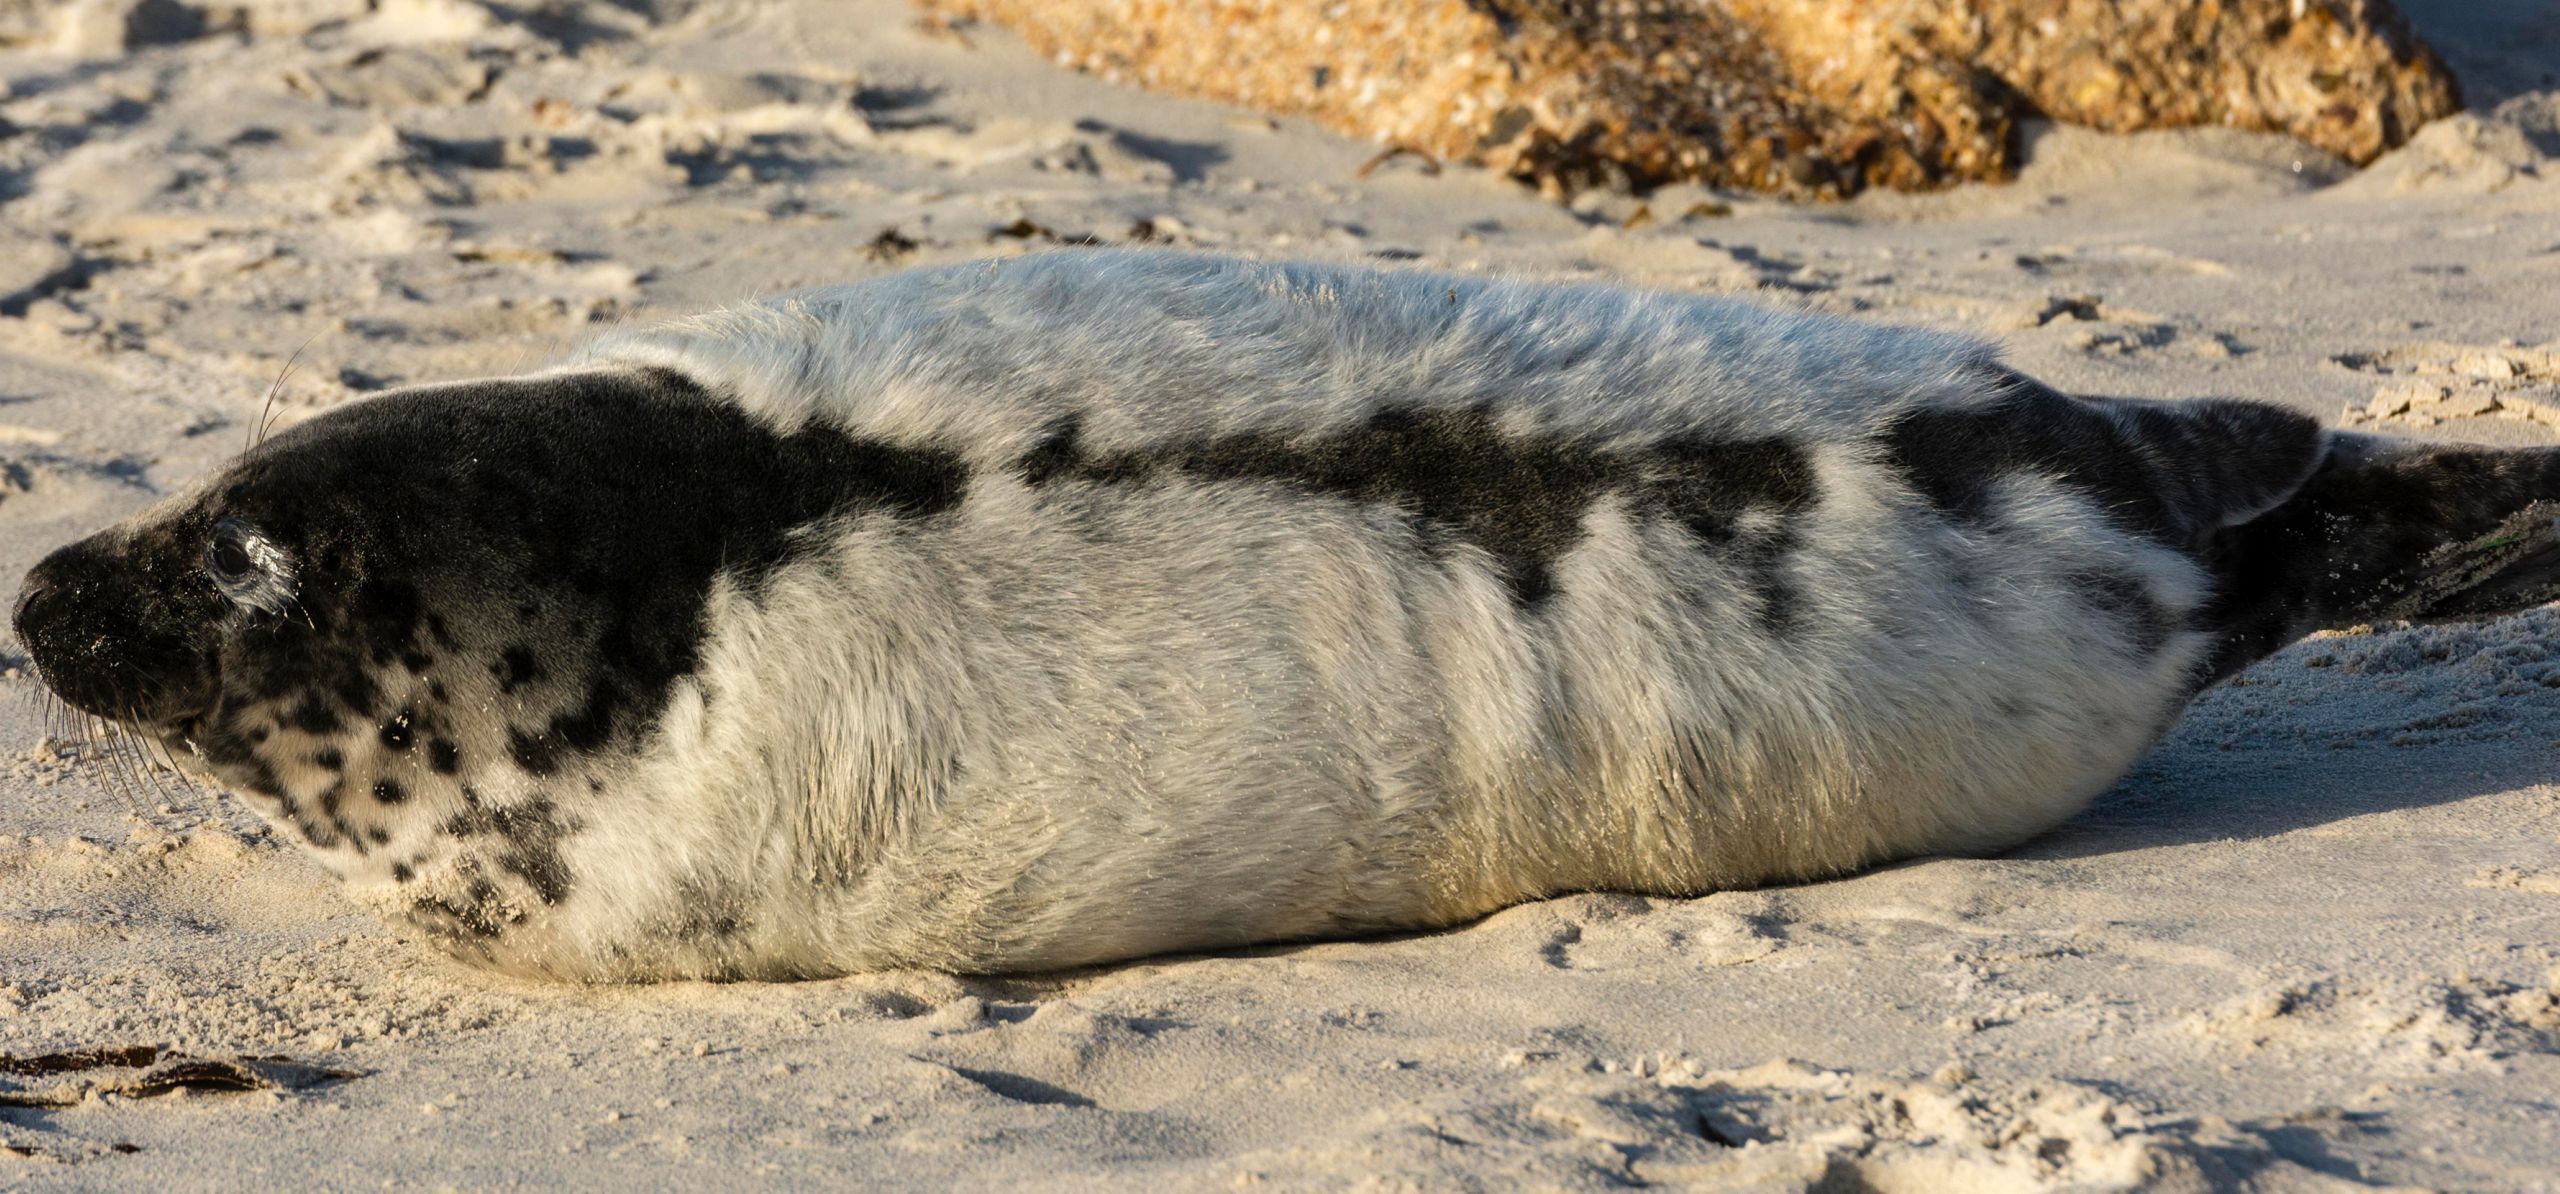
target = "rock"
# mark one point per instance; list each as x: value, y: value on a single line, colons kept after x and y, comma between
x: 2399, y: 396
x: 1569, y: 96
x: 106, y: 28
x: 1801, y: 97
x: 32, y: 267
x: 397, y: 77
x: 282, y: 18
x: 2540, y: 406
x: 2466, y: 405
x: 2349, y: 76
x: 2482, y: 363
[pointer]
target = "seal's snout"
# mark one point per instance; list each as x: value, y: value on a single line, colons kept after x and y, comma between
x: 105, y: 641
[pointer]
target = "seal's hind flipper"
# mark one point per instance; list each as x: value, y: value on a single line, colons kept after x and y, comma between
x: 2222, y: 461
x: 2387, y: 529
x: 2207, y: 463
x: 2513, y: 565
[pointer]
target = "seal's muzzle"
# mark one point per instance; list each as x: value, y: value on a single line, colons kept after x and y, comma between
x: 112, y: 639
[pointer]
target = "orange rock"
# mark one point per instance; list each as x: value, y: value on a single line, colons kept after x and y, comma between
x: 1803, y: 97
x: 2349, y: 76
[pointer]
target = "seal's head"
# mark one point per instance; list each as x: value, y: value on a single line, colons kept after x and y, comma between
x: 436, y: 613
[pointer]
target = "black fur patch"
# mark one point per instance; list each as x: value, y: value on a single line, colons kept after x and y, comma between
x: 515, y: 668
x: 2123, y: 599
x: 1955, y: 458
x: 605, y: 504
x: 396, y: 733
x: 531, y: 834
x: 1520, y: 500
x: 1710, y: 488
x: 477, y: 913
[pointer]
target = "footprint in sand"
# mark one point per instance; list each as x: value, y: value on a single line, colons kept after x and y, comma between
x: 1787, y: 1125
x: 2425, y: 1025
x: 1612, y: 932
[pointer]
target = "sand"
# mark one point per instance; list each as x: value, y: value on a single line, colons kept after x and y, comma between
x: 2310, y: 943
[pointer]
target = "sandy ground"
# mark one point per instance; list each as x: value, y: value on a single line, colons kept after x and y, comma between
x: 2309, y: 943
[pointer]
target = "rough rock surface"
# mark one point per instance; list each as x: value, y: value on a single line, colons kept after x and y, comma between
x: 1801, y: 97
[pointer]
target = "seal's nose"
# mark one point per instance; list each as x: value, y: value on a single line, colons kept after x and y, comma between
x: 47, y: 615
x: 100, y: 639
x: 30, y: 591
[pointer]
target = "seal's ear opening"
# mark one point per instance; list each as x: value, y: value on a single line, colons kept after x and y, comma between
x: 109, y: 638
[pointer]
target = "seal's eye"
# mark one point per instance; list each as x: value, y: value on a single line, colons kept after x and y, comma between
x: 248, y: 567
x: 230, y: 560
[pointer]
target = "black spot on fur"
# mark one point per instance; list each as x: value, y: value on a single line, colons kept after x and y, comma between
x: 224, y: 745
x: 388, y: 791
x: 401, y: 872
x: 1519, y: 499
x: 1957, y: 458
x: 262, y: 780
x: 443, y: 756
x: 515, y: 668
x: 353, y: 687
x: 313, y: 715
x: 532, y: 833
x: 703, y: 909
x: 333, y: 807
x: 476, y: 913
x: 330, y: 758
x: 396, y: 734
x: 536, y: 753
x: 2122, y: 598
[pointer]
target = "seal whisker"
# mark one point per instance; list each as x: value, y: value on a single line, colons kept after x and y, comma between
x: 105, y: 746
x: 258, y: 430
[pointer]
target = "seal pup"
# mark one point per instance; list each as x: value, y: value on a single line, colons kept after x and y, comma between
x: 1066, y: 609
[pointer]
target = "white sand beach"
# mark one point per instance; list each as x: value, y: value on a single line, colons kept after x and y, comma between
x: 2311, y: 943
